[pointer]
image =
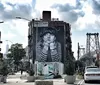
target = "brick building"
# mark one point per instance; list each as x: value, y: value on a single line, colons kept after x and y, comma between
x: 62, y: 35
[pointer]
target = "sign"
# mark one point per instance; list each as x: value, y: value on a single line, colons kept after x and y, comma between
x: 40, y: 24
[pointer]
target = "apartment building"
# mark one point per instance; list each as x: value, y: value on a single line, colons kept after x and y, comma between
x: 49, y: 41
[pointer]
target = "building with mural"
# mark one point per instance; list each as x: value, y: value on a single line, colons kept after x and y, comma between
x: 49, y: 42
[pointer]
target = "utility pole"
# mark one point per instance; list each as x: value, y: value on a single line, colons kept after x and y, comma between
x: 80, y: 52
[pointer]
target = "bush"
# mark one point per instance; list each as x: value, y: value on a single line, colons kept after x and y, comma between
x: 4, y: 71
x: 30, y: 72
x: 70, y: 67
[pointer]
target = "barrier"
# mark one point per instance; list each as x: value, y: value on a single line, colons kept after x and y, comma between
x: 43, y: 82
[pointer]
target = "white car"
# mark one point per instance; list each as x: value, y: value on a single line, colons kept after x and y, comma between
x: 91, y: 74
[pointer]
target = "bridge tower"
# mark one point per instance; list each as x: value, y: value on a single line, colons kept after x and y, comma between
x: 81, y: 51
x: 92, y: 45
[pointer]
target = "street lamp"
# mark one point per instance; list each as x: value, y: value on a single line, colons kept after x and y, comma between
x: 23, y: 18
x: 26, y: 20
x: 12, y: 61
x: 2, y: 22
x: 12, y: 43
x: 9, y: 41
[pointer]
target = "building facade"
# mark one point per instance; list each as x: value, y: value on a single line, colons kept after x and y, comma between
x: 0, y: 41
x: 49, y: 41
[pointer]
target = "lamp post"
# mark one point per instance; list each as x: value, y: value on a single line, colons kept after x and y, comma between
x: 30, y: 61
x: 23, y: 18
x: 9, y: 41
x: 1, y: 21
x: 29, y: 21
x: 12, y: 49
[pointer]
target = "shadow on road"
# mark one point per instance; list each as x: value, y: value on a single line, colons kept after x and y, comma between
x: 94, y: 82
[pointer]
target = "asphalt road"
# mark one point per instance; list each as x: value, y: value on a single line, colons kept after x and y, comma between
x: 81, y: 82
x: 15, y: 80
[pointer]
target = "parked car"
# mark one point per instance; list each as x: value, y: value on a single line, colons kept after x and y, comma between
x: 91, y: 73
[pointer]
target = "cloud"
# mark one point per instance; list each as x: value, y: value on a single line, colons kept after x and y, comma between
x: 22, y: 10
x: 63, y: 8
x: 96, y: 6
x: 2, y: 7
x: 97, y: 22
x: 67, y: 7
x: 79, y: 4
x: 70, y: 13
x: 68, y: 16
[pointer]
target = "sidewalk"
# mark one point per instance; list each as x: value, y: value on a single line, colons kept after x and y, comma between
x: 24, y: 82
x: 16, y: 80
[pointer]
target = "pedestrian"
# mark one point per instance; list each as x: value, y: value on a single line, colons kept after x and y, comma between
x: 22, y: 71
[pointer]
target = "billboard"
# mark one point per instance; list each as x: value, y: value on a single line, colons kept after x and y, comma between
x: 48, y: 44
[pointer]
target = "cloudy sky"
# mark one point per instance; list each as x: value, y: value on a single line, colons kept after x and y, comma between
x: 83, y: 15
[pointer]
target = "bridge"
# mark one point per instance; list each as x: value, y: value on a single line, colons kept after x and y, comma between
x: 89, y: 54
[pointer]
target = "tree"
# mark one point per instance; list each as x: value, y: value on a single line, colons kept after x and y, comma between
x: 97, y: 63
x: 16, y: 52
x: 80, y: 66
x: 3, y: 66
x: 70, y: 65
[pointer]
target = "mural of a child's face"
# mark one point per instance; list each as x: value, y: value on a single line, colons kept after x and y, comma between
x: 49, y: 38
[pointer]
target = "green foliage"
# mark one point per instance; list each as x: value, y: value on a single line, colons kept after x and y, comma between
x: 1, y: 55
x: 30, y: 72
x: 16, y: 52
x: 70, y: 67
x: 80, y: 76
x: 97, y: 63
x: 3, y: 68
x: 80, y: 66
x: 4, y: 71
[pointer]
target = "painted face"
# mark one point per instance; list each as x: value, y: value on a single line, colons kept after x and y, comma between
x: 49, y: 38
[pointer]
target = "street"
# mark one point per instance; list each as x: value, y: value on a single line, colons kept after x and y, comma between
x: 81, y: 82
x: 17, y: 79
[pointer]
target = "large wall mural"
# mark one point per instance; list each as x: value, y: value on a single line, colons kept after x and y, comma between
x: 49, y: 44
x: 49, y: 69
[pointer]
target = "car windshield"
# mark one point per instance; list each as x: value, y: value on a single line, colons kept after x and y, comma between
x: 93, y: 69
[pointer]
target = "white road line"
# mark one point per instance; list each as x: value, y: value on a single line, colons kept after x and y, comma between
x: 80, y: 82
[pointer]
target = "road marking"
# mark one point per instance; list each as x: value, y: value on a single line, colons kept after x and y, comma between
x: 80, y: 82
